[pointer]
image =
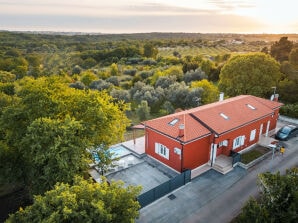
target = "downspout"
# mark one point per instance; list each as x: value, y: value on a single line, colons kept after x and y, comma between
x: 212, y: 150
x: 182, y: 149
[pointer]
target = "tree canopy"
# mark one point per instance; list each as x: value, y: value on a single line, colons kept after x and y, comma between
x: 84, y: 201
x: 46, y: 128
x: 278, y: 201
x: 281, y: 49
x: 254, y: 73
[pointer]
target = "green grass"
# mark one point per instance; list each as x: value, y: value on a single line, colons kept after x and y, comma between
x: 250, y: 156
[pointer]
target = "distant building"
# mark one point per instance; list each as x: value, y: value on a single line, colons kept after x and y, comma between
x: 195, y: 137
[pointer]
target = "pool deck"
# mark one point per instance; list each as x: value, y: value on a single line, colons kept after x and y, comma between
x: 136, y: 168
x: 137, y: 145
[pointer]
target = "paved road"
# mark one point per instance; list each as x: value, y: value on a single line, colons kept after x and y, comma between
x: 220, y: 199
x: 225, y: 207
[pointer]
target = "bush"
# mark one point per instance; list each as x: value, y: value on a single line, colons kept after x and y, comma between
x: 290, y: 110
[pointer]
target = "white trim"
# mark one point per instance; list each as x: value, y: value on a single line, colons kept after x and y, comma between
x: 252, y: 136
x: 223, y: 143
x: 162, y: 150
x: 261, y: 130
x: 267, y: 129
x: 213, y: 152
x: 238, y: 141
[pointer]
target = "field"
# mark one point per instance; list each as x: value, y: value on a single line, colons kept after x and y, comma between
x: 194, y: 51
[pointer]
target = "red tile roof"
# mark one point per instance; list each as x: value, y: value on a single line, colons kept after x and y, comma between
x: 218, y: 117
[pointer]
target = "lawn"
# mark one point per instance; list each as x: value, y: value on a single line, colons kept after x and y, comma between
x: 253, y: 154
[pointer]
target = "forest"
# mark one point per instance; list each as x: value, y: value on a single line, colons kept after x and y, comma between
x: 61, y: 93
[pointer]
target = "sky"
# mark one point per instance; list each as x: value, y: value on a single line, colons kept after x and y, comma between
x: 141, y: 16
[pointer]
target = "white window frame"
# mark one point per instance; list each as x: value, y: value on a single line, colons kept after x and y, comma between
x: 252, y: 135
x: 162, y: 150
x: 223, y: 143
x: 239, y: 141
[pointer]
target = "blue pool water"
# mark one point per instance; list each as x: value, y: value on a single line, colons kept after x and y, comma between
x: 118, y: 151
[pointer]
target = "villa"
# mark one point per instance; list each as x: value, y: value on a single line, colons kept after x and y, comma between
x: 201, y: 136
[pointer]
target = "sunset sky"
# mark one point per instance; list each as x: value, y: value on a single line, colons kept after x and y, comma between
x: 132, y: 16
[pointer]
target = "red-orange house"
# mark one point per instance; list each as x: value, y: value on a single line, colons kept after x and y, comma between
x: 195, y: 137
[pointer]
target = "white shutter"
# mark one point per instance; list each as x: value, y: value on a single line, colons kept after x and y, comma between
x: 242, y: 140
x: 156, y: 148
x: 252, y: 135
x: 167, y: 153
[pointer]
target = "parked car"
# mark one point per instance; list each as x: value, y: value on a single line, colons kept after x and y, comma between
x: 286, y: 132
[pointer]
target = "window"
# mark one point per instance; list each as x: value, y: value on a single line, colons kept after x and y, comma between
x: 173, y: 122
x: 251, y: 107
x: 162, y: 150
x: 239, y: 141
x: 223, y: 143
x: 224, y: 116
x: 252, y: 135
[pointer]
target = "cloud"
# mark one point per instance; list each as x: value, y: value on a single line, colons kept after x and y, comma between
x: 230, y: 5
x: 127, y: 24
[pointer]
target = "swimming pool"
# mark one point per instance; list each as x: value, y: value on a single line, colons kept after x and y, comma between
x: 119, y: 151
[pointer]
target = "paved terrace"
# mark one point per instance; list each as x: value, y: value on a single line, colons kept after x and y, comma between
x: 137, y: 168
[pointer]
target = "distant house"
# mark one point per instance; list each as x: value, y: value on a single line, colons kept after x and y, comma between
x: 195, y: 137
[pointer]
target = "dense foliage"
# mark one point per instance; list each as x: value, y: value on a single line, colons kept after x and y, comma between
x: 278, y: 201
x: 254, y: 74
x: 47, y: 126
x: 84, y: 201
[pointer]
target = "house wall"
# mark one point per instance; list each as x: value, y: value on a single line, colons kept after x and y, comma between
x: 196, y: 153
x: 153, y: 137
x: 246, y: 132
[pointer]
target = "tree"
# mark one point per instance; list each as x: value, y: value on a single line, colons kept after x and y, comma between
x: 153, y: 96
x: 114, y: 70
x: 278, y: 201
x: 6, y: 76
x: 280, y: 50
x: 207, y: 66
x: 41, y: 111
x: 165, y: 81
x: 87, y: 77
x: 150, y: 50
x: 254, y: 73
x: 121, y: 95
x: 210, y: 91
x: 293, y: 58
x: 56, y: 150
x: 84, y: 201
x: 194, y: 75
x: 143, y: 111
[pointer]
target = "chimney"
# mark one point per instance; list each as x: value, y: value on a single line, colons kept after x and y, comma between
x: 221, y: 96
x: 181, y: 130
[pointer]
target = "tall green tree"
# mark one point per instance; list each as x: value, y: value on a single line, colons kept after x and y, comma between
x: 253, y: 73
x: 278, y: 201
x: 84, y: 201
x: 150, y: 50
x: 280, y: 50
x: 143, y: 111
x: 56, y: 151
x: 210, y: 91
